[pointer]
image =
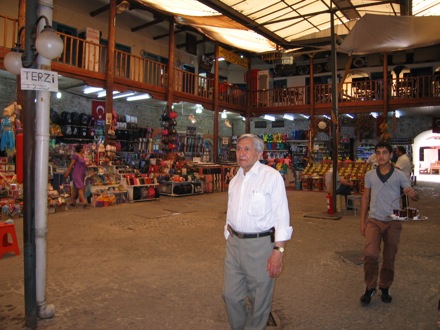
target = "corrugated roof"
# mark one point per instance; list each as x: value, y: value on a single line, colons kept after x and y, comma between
x: 273, y: 25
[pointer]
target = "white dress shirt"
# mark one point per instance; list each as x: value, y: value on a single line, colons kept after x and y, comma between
x: 257, y: 202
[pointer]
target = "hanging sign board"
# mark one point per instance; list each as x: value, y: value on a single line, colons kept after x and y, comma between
x: 39, y: 80
x: 232, y: 57
x: 108, y: 118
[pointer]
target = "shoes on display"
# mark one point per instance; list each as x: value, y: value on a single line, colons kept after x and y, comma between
x: 366, y: 297
x: 385, y: 295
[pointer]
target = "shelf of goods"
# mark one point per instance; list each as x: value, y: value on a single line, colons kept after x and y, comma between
x: 211, y: 176
x: 105, y: 187
x: 182, y: 188
x: 345, y: 148
x: 227, y: 145
x: 298, y: 150
x: 315, y: 176
x: 191, y: 143
x: 140, y: 187
x: 58, y: 198
x: 228, y: 172
x: 365, y: 150
x: 320, y: 150
x: 355, y: 172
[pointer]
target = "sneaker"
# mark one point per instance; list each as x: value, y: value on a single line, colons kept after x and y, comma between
x: 385, y: 295
x: 366, y: 297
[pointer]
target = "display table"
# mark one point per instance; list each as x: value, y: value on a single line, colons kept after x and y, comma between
x: 178, y: 189
x: 212, y: 177
x: 140, y: 188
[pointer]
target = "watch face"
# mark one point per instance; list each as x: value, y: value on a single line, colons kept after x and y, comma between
x: 281, y: 249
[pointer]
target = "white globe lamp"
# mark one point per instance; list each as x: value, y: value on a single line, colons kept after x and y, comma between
x: 13, y: 62
x: 322, y: 125
x: 49, y: 44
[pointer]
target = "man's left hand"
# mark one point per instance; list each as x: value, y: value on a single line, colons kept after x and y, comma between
x: 275, y: 264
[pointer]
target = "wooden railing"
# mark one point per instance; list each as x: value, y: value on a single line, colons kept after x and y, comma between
x: 369, y: 90
x: 85, y: 55
x: 190, y: 83
x: 279, y: 97
x: 81, y: 54
x: 8, y: 38
x: 85, y: 58
x: 416, y: 87
x: 231, y: 94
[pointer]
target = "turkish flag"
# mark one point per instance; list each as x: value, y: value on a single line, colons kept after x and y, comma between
x: 98, y: 109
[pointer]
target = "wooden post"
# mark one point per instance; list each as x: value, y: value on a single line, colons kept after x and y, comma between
x: 110, y: 63
x: 215, y: 102
x: 170, y: 87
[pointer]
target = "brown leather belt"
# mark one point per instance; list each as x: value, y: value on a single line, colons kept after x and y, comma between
x: 270, y: 232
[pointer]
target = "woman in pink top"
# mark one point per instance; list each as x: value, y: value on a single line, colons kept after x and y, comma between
x: 78, y: 167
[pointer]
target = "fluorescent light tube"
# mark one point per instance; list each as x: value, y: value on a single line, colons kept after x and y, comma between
x: 269, y: 117
x: 139, y: 97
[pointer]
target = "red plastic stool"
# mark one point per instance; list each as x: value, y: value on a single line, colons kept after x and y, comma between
x: 6, y: 246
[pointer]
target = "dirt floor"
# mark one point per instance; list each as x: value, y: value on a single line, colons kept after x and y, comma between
x: 159, y: 265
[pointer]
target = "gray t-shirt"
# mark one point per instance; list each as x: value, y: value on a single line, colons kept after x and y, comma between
x: 385, y: 196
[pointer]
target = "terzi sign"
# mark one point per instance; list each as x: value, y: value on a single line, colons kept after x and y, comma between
x: 39, y: 80
x: 232, y: 57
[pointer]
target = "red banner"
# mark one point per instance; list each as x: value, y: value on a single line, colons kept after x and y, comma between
x: 98, y: 109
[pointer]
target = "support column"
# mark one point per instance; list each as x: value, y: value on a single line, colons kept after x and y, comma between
x: 334, y: 138
x: 171, y: 76
x: 386, y: 85
x: 247, y: 128
x: 110, y: 64
x: 312, y: 106
x: 215, y: 101
x: 42, y: 137
x: 28, y: 115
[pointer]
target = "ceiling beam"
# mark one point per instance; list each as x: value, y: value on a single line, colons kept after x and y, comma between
x: 99, y: 10
x: 244, y: 20
x: 167, y: 34
x: 145, y: 25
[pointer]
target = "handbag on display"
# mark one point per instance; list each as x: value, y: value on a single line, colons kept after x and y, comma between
x: 54, y: 117
x: 84, y: 119
x: 66, y: 118
x: 75, y: 118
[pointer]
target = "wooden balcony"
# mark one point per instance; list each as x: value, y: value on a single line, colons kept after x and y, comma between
x: 84, y: 60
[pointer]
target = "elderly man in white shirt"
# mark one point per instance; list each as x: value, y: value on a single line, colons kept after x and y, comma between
x: 257, y: 227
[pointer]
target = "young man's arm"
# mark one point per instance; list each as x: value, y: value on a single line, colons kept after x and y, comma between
x: 365, y: 202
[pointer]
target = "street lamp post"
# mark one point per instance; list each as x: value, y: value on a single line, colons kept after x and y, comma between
x: 40, y: 48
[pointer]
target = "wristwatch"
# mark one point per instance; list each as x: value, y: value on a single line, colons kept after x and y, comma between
x: 279, y: 248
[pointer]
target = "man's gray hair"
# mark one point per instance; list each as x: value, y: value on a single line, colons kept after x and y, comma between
x: 257, y: 142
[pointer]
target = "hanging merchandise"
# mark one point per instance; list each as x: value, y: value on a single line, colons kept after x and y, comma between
x: 169, y: 133
x: 8, y: 131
